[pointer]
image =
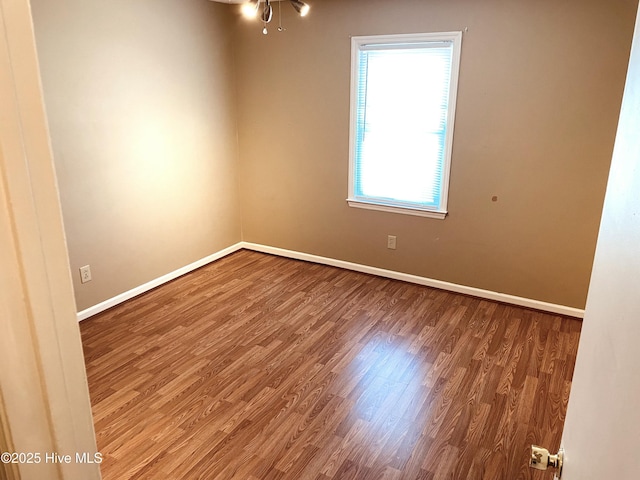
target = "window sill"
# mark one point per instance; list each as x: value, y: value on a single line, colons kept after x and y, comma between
x: 393, y: 209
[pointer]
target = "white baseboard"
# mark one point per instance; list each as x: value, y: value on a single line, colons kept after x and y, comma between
x: 429, y: 282
x: 134, y: 292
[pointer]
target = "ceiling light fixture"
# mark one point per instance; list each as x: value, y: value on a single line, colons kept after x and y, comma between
x: 251, y: 8
x: 267, y: 12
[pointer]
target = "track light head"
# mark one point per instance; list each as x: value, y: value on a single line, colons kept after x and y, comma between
x: 301, y: 7
x: 250, y: 9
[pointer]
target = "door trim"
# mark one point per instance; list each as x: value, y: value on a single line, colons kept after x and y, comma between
x: 45, y: 397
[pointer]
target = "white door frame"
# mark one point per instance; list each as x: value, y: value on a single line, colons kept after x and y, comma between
x: 44, y: 398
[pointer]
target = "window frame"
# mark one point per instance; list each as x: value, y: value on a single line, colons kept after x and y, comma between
x: 357, y: 42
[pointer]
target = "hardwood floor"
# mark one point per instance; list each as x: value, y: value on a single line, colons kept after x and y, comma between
x: 259, y: 367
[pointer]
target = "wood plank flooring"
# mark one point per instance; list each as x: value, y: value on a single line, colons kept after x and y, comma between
x: 258, y: 367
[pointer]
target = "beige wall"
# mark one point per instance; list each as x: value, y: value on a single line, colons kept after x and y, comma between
x: 140, y: 99
x: 540, y: 90
x: 144, y: 97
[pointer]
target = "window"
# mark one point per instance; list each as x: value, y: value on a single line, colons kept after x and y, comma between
x: 403, y: 91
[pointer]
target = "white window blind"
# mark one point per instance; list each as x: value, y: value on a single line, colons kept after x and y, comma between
x: 402, y: 111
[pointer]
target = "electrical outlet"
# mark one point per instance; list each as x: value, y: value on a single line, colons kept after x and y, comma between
x: 391, y: 242
x: 85, y: 274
